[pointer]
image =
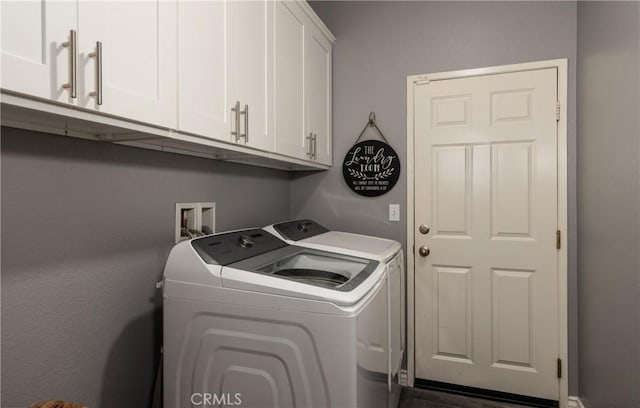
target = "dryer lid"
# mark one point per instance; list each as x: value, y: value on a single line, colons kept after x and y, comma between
x: 381, y: 248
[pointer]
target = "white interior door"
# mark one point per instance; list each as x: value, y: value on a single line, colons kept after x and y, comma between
x: 486, y: 297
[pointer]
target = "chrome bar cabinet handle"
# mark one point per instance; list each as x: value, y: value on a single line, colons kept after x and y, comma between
x: 245, y: 112
x: 72, y: 44
x: 315, y: 146
x: 236, y: 110
x: 98, y: 57
x: 310, y: 145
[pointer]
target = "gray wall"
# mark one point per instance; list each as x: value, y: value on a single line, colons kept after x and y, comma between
x: 86, y: 228
x: 380, y: 43
x: 609, y: 211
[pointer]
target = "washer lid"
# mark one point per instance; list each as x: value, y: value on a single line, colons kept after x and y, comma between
x: 330, y: 270
x: 307, y: 274
x: 230, y: 247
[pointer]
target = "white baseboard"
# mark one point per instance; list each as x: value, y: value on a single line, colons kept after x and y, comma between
x: 574, y: 402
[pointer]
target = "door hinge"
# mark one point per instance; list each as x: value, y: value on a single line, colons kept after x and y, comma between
x: 558, y: 239
x: 557, y: 111
x: 559, y: 368
x: 413, y: 249
x: 421, y: 79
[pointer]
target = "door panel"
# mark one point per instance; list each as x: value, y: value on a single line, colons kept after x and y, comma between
x: 452, y: 303
x: 34, y: 60
x: 317, y: 93
x: 289, y: 79
x: 486, y: 182
x: 511, y: 318
x: 252, y: 71
x: 451, y: 195
x: 206, y: 68
x: 139, y: 58
x: 511, y: 201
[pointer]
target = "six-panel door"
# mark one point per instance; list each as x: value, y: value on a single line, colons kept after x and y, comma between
x: 486, y: 309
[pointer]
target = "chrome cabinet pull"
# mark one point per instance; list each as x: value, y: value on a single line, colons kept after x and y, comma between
x: 315, y: 146
x: 236, y: 110
x: 72, y: 44
x: 98, y: 57
x: 309, y: 145
x: 245, y: 112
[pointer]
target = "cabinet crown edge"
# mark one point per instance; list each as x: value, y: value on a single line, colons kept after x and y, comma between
x: 315, y: 19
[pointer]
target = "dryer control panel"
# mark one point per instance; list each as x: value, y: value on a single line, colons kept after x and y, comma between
x: 299, y: 229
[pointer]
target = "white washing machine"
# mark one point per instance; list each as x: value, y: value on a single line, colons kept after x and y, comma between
x: 310, y: 234
x: 252, y: 321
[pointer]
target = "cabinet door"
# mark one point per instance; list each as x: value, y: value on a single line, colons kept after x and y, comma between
x: 254, y: 37
x: 318, y: 93
x: 34, y: 60
x: 289, y: 80
x: 139, y: 58
x: 206, y: 68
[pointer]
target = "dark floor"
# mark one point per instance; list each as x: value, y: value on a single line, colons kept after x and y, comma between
x: 421, y: 398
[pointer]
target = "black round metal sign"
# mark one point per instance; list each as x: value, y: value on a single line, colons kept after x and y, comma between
x: 371, y: 168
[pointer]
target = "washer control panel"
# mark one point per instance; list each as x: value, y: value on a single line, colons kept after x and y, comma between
x: 230, y: 247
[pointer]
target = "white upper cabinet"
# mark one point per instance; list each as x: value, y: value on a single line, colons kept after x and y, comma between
x: 206, y: 68
x: 35, y: 59
x: 249, y: 73
x: 134, y: 75
x: 223, y: 68
x: 288, y: 96
x: 318, y: 94
x: 302, y: 83
x: 254, y: 20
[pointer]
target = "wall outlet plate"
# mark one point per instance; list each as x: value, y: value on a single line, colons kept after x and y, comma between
x: 195, y: 216
x: 394, y: 212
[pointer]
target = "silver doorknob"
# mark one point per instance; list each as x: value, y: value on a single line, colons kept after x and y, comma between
x: 424, y: 251
x: 424, y: 229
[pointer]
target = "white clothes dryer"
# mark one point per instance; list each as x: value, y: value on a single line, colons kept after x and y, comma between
x: 310, y: 234
x: 252, y: 321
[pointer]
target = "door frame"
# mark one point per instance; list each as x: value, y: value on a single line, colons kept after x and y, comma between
x: 412, y: 81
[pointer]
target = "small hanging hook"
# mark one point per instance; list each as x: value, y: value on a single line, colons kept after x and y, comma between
x: 372, y: 119
x: 372, y: 123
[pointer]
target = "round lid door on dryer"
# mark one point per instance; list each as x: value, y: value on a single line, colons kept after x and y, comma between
x: 313, y: 235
